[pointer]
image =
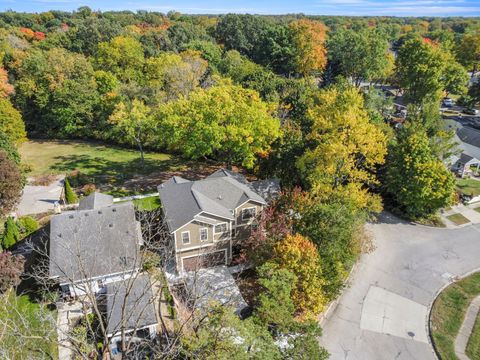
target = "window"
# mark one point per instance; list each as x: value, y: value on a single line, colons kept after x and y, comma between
x: 203, y: 234
x: 221, y: 228
x: 186, y: 237
x: 248, y: 213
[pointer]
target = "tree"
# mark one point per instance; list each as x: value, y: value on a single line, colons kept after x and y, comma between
x: 275, y: 303
x: 299, y: 255
x: 123, y: 56
x: 420, y: 66
x: 226, y: 122
x: 418, y: 182
x: 10, y: 233
x: 70, y: 196
x: 11, y: 268
x: 359, y: 55
x: 56, y: 93
x: 455, y: 78
x: 11, y: 184
x: 309, y: 42
x: 468, y: 52
x: 7, y: 147
x: 6, y: 88
x: 345, y: 148
x: 135, y: 122
x: 11, y: 122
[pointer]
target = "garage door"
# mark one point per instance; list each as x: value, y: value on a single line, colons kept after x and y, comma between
x: 205, y: 260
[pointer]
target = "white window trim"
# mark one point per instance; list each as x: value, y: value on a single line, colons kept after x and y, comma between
x: 223, y: 232
x: 200, y: 233
x: 250, y: 218
x: 181, y: 236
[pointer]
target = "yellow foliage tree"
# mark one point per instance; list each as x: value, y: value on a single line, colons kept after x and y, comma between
x: 309, y: 40
x: 299, y: 255
x: 346, y: 148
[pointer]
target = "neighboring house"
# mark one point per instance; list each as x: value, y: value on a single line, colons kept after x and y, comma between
x: 93, y: 246
x: 208, y: 218
x: 129, y: 307
x: 468, y: 140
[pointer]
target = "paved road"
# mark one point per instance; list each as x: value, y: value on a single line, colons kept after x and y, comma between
x: 383, y: 313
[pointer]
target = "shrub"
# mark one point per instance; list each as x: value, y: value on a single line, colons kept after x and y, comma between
x: 88, y: 189
x: 11, y: 268
x: 11, y: 234
x: 70, y: 196
x: 27, y: 225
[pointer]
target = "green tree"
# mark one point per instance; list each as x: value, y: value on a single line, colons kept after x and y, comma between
x: 123, y: 56
x: 468, y: 52
x: 420, y: 66
x: 11, y: 122
x: 70, y: 196
x: 275, y: 302
x: 135, y: 122
x: 418, y: 182
x: 10, y: 233
x: 455, y: 78
x: 7, y: 147
x: 226, y: 122
x: 359, y: 55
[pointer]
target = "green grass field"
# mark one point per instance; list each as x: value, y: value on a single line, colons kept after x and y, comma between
x: 473, y: 345
x: 458, y: 219
x: 448, y: 313
x: 36, y: 337
x: 468, y: 186
x: 149, y: 204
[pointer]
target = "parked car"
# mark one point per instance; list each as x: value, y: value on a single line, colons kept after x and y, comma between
x: 448, y: 102
x: 470, y: 111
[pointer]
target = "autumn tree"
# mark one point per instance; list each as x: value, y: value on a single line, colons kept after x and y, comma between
x: 6, y: 88
x: 11, y: 184
x: 11, y: 268
x: 360, y: 55
x: 226, y: 122
x: 345, y: 148
x: 135, y: 122
x: 298, y: 255
x: 309, y: 43
x: 419, y: 182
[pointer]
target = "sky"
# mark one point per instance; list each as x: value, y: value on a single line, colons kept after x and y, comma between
x: 316, y: 7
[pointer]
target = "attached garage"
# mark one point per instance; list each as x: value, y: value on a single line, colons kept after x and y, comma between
x: 192, y: 263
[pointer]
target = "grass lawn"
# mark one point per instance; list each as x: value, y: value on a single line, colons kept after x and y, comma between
x: 448, y: 313
x: 149, y: 204
x: 473, y: 345
x: 469, y: 186
x: 458, y: 219
x: 34, y: 322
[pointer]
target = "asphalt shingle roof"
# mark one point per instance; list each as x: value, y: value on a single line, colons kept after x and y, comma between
x: 218, y: 194
x: 92, y: 243
x: 136, y: 297
x: 95, y: 200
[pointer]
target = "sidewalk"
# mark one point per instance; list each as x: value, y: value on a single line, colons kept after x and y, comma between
x: 471, y: 215
x: 466, y: 329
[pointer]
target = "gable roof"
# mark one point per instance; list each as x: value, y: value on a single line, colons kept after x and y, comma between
x: 95, y: 200
x: 92, y: 243
x: 219, y: 194
x: 136, y: 297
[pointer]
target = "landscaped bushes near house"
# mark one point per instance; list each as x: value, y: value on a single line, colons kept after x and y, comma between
x: 70, y: 196
x: 27, y: 225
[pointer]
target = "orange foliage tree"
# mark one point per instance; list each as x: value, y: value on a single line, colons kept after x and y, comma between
x: 299, y: 255
x: 309, y: 40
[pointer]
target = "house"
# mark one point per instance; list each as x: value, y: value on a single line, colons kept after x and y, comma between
x: 128, y: 307
x: 93, y: 246
x: 468, y: 140
x: 208, y: 218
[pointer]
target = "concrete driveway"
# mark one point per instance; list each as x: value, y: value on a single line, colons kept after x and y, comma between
x: 40, y: 199
x: 383, y: 314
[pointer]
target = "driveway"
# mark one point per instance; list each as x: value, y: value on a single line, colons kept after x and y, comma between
x: 383, y: 314
x: 40, y: 199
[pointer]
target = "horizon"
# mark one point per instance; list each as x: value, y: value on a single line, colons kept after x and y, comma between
x: 396, y: 8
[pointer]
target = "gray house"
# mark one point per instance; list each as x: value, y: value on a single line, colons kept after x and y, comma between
x: 208, y: 218
x: 93, y: 246
x: 129, y: 308
x: 468, y: 160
